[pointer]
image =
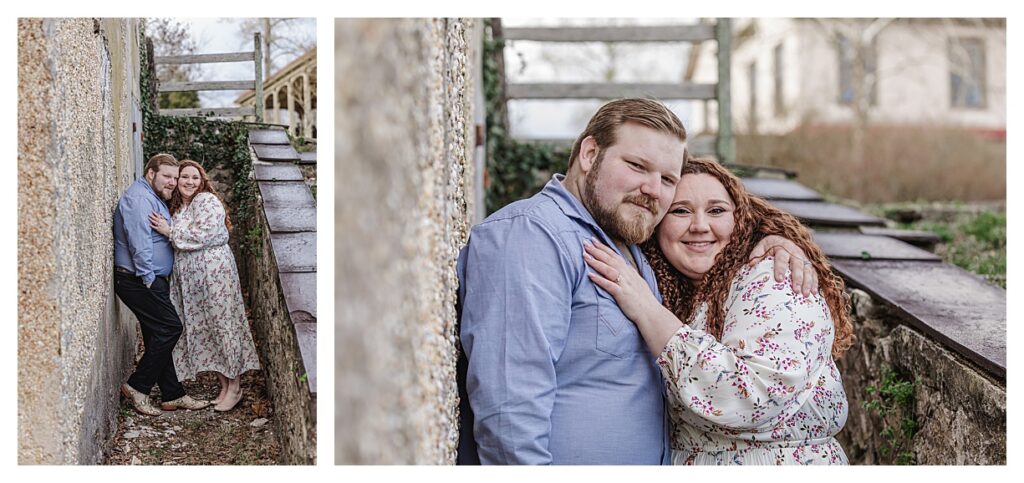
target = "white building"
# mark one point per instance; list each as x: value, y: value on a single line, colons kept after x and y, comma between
x: 919, y: 72
x: 289, y: 96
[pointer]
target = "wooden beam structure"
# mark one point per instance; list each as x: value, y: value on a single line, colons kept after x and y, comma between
x: 257, y: 84
x: 210, y: 112
x: 206, y: 86
x: 653, y: 33
x: 204, y: 58
x: 609, y: 91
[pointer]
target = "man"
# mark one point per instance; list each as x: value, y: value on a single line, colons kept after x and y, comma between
x: 554, y: 373
x: 143, y: 259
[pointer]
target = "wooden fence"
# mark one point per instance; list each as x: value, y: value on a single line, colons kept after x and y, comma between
x: 256, y: 57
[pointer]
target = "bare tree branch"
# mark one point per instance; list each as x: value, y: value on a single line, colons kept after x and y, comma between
x: 283, y: 39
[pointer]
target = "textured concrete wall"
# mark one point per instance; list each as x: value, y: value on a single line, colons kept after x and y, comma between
x: 961, y: 412
x: 77, y: 98
x: 403, y: 201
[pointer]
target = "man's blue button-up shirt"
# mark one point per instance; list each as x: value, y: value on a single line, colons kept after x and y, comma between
x: 556, y: 373
x: 137, y: 246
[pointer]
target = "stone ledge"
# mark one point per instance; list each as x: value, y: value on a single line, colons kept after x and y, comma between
x: 291, y: 219
x: 960, y: 411
x: 294, y: 252
x: 819, y: 213
x: 780, y: 189
x: 286, y: 193
x: 919, y: 238
x: 300, y: 293
x: 274, y: 152
x: 956, y: 308
x: 858, y: 246
x: 283, y: 300
x: 269, y: 136
x: 277, y: 172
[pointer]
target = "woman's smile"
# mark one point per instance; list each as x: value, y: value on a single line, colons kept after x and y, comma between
x: 189, y: 181
x: 698, y: 225
x: 699, y: 246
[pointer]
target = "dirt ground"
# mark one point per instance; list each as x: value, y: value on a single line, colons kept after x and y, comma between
x: 243, y: 436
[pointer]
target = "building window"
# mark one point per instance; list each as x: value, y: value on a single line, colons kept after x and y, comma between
x: 847, y: 52
x: 967, y: 73
x: 752, y: 113
x: 780, y: 108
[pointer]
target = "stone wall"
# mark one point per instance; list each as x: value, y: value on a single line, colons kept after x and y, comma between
x: 403, y: 201
x: 960, y: 411
x: 78, y: 149
x: 275, y: 335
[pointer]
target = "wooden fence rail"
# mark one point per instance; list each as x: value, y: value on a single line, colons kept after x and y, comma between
x: 256, y: 57
x: 721, y: 144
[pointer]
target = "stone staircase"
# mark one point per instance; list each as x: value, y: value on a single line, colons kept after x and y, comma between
x: 943, y: 301
x: 283, y: 293
x: 936, y: 326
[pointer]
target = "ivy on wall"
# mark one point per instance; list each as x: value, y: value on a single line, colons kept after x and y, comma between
x: 892, y: 400
x: 516, y: 169
x: 211, y: 143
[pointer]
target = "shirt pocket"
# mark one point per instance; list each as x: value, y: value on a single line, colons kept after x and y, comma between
x: 616, y: 334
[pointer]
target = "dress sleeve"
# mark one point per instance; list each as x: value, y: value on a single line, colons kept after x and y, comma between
x: 204, y: 229
x: 774, y: 346
x: 515, y: 318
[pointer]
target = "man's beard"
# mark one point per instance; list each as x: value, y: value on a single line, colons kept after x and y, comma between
x: 630, y: 231
x: 159, y: 192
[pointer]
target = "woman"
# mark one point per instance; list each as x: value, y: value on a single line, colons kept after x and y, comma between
x: 750, y: 375
x: 205, y: 289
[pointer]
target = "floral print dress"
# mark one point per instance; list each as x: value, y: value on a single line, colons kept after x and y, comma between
x: 768, y: 392
x: 207, y: 295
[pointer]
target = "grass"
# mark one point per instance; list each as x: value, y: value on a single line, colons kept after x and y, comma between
x: 973, y: 237
x: 979, y: 245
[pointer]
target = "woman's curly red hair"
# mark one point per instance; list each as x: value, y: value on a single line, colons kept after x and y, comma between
x: 178, y: 202
x: 755, y: 219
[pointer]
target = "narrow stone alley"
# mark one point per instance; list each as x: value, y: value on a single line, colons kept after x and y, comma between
x: 242, y: 436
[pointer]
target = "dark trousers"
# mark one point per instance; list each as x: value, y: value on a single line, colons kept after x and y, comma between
x: 161, y: 329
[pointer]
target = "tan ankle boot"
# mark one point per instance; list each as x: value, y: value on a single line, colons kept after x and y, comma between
x: 139, y: 401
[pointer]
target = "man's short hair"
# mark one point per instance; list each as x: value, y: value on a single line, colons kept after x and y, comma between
x: 609, y: 117
x: 161, y: 159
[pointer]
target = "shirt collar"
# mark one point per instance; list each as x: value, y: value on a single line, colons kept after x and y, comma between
x: 573, y: 208
x: 149, y: 189
x: 567, y: 202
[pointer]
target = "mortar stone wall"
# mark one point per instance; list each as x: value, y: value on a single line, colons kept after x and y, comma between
x: 77, y: 151
x: 403, y: 205
x: 294, y: 405
x: 960, y: 410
